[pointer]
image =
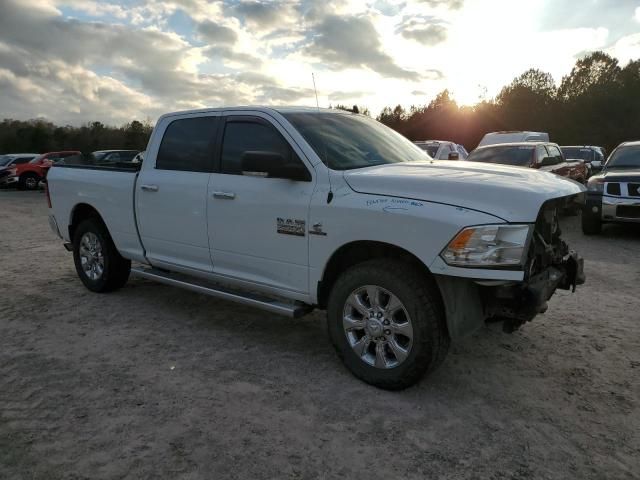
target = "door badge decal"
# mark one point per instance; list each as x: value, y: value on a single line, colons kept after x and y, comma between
x: 291, y: 226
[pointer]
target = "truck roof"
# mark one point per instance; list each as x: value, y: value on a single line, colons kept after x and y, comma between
x: 259, y: 108
x: 515, y: 144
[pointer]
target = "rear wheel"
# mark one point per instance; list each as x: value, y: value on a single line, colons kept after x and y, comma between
x: 28, y: 181
x: 387, y: 323
x: 98, y: 264
x: 591, y: 224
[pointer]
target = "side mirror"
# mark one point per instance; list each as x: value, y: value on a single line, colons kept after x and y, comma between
x: 273, y: 165
x: 596, y: 164
x: 454, y: 156
x: 547, y: 161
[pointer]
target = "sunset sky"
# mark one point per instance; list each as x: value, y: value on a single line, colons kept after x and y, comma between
x: 71, y: 61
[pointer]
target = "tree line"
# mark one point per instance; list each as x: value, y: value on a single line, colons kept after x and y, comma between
x: 597, y: 103
x: 38, y: 136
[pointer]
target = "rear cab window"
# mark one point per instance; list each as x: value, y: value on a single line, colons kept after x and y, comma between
x: 187, y: 145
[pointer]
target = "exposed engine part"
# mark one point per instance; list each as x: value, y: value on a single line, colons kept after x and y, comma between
x: 550, y: 265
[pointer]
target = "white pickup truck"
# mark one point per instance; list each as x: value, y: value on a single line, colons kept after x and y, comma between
x: 291, y: 209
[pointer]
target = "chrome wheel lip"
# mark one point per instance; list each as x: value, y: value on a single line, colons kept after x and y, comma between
x: 377, y: 326
x: 91, y: 256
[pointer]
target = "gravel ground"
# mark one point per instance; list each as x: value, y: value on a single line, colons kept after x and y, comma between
x: 156, y: 382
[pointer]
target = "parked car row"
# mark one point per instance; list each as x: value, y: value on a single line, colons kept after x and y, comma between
x: 613, y: 194
x: 524, y: 149
x: 541, y: 155
x: 28, y: 170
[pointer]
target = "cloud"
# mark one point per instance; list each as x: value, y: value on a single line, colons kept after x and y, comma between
x: 426, y: 34
x: 228, y: 55
x: 345, y: 42
x: 449, y: 4
x: 626, y: 49
x: 264, y: 15
x: 341, y: 96
x: 636, y: 15
x: 215, y: 33
x: 389, y: 8
x: 47, y: 62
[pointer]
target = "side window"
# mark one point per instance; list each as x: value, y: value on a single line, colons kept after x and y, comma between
x: 555, y: 152
x: 21, y: 160
x: 541, y: 153
x: 246, y: 136
x: 186, y: 145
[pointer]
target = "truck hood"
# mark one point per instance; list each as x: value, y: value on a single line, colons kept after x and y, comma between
x: 514, y: 194
x: 620, y: 175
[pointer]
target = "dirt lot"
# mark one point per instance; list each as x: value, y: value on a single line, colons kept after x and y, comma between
x: 156, y: 382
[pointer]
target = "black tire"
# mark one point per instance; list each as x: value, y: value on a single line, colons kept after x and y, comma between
x: 421, y: 298
x: 116, y: 268
x: 28, y: 181
x: 591, y: 224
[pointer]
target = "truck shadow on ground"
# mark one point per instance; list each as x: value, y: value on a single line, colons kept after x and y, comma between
x: 260, y: 339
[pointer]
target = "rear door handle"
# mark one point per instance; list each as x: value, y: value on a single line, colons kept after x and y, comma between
x: 224, y: 195
x: 149, y: 188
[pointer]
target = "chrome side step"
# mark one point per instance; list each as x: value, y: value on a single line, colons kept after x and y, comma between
x: 282, y: 307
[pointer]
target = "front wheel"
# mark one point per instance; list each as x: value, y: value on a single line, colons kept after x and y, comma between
x: 98, y: 263
x: 387, y: 324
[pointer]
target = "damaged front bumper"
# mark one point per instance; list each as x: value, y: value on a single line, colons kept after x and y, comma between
x: 516, y: 304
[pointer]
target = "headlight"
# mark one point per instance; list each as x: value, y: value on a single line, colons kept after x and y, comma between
x: 595, y: 184
x: 488, y: 246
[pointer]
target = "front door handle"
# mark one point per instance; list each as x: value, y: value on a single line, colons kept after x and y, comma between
x: 224, y: 195
x: 149, y: 188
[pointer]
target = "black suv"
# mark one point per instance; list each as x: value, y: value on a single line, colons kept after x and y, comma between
x: 613, y: 196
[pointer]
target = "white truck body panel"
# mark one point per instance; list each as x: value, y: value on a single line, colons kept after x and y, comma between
x: 107, y: 191
x: 173, y: 219
x: 244, y: 238
x: 481, y: 187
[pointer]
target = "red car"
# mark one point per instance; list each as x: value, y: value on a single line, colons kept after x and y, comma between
x: 32, y: 173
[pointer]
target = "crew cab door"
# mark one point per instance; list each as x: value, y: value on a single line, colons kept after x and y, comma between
x: 171, y: 192
x: 258, y: 225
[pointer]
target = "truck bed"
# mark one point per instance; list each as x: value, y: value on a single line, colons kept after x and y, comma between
x: 109, y: 190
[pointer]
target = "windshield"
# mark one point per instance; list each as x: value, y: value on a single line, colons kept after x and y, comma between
x: 625, y: 157
x: 517, y: 155
x: 347, y: 141
x: 585, y: 154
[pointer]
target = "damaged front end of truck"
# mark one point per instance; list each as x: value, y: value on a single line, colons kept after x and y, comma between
x: 547, y: 265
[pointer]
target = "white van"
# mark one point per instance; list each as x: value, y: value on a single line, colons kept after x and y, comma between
x: 513, y: 137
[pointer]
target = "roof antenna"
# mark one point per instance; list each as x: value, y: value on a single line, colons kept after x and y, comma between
x: 330, y: 194
x: 315, y: 90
